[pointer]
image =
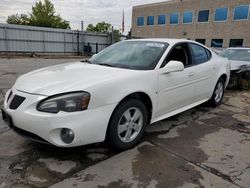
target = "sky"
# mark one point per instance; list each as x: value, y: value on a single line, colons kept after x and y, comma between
x: 90, y: 11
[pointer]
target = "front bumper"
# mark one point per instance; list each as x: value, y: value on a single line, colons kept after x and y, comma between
x: 8, y: 120
x: 89, y: 126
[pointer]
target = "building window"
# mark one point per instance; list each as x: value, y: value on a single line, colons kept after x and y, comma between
x: 174, y: 18
x: 187, y: 17
x: 202, y: 41
x: 217, y: 43
x: 241, y: 12
x: 221, y: 14
x: 236, y: 42
x: 150, y: 20
x: 140, y: 21
x: 161, y: 19
x: 203, y: 16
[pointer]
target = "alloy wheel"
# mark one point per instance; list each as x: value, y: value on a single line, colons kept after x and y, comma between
x: 219, y: 92
x: 130, y: 124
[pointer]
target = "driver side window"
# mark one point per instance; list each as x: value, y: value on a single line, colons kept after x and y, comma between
x: 181, y: 53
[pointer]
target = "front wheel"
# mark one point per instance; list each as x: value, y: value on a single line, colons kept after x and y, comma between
x: 218, y: 94
x: 127, y: 124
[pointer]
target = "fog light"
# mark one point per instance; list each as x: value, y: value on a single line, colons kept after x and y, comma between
x: 67, y: 135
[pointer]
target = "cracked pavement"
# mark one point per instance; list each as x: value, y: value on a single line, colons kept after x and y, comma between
x: 202, y: 147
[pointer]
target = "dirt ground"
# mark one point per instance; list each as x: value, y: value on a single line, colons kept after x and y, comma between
x: 202, y: 147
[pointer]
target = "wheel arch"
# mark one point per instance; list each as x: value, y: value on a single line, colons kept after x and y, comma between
x: 225, y: 78
x: 142, y: 96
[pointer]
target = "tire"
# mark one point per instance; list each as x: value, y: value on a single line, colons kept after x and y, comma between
x: 218, y: 93
x: 124, y: 132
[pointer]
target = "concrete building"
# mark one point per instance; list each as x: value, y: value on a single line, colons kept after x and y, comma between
x: 215, y: 23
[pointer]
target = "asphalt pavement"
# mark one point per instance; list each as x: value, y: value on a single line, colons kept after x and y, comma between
x: 202, y: 147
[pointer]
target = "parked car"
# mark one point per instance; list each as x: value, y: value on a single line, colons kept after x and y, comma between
x: 237, y: 56
x: 240, y: 66
x: 217, y: 50
x: 116, y: 93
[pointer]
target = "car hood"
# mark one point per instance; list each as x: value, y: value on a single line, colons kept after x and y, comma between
x: 67, y: 77
x: 235, y: 65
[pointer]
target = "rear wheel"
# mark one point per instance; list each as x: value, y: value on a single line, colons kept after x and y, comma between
x: 127, y: 124
x: 218, y: 94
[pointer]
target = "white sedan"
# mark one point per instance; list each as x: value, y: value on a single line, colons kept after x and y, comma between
x: 240, y: 66
x: 237, y: 56
x: 116, y: 94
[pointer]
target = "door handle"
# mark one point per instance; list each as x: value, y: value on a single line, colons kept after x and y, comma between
x: 191, y: 74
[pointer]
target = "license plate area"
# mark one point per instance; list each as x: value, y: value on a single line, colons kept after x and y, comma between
x: 7, y: 119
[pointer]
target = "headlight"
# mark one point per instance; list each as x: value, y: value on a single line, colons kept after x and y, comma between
x: 68, y: 102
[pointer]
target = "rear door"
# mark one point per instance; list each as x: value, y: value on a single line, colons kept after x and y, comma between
x: 204, y: 71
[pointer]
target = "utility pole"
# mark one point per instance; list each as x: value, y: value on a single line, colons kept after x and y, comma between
x: 112, y: 35
x: 82, y: 49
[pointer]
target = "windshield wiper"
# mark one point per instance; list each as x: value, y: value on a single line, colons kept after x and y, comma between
x: 86, y: 61
x: 105, y: 64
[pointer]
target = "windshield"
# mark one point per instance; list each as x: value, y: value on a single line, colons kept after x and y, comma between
x: 137, y: 55
x: 236, y: 54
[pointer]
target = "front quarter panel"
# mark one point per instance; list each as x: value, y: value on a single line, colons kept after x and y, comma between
x: 115, y: 90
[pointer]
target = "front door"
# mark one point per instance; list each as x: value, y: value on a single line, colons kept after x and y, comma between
x: 176, y: 89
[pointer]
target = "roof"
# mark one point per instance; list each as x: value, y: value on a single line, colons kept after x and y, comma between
x: 240, y: 48
x: 168, y: 40
x: 159, y: 3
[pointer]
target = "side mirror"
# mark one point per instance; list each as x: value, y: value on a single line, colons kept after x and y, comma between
x: 172, y: 66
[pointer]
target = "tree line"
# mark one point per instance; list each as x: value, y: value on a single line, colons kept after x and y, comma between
x: 43, y: 14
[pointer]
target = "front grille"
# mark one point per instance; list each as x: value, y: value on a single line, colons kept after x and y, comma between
x: 16, y: 102
x: 9, y: 96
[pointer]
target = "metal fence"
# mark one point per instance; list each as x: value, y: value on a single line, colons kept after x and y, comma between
x: 40, y: 40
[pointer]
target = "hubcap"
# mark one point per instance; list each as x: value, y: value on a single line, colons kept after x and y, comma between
x: 219, y: 92
x: 130, y: 124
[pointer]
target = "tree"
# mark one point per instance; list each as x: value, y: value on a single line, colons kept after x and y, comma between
x: 117, y: 35
x: 104, y: 27
x: 21, y: 19
x: 43, y: 15
x: 91, y: 28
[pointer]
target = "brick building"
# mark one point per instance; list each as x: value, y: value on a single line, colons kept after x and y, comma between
x: 215, y: 23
